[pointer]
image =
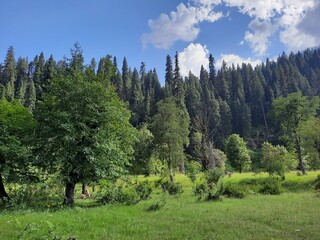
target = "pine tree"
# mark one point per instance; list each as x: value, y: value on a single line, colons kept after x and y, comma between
x: 77, y: 60
x: 221, y: 86
x: 212, y: 71
x: 48, y: 74
x: 38, y: 74
x: 136, y: 99
x: 178, y: 84
x: 9, y: 74
x: 30, y: 94
x: 168, y: 77
x: 126, y: 81
x: 22, y: 78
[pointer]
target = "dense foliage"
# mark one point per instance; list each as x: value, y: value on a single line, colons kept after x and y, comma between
x: 84, y: 123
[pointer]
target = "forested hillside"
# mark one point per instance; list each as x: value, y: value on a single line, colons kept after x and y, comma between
x: 234, y: 99
x: 85, y: 107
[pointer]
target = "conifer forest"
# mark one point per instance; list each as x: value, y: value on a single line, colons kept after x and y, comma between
x: 78, y: 133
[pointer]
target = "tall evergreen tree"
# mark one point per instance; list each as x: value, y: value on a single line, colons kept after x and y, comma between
x: 9, y: 74
x: 212, y: 71
x: 22, y: 79
x: 178, y: 84
x: 169, y: 77
x: 221, y: 86
x: 136, y: 99
x: 49, y: 73
x: 39, y: 62
x: 77, y: 60
x: 126, y: 80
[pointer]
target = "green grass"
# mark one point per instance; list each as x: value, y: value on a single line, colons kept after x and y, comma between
x: 291, y: 215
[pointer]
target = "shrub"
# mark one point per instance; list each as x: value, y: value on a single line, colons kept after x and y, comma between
x: 235, y: 191
x: 144, y: 190
x: 317, y: 183
x: 174, y: 188
x: 211, y: 186
x: 167, y: 186
x: 271, y: 186
x: 192, y: 169
x: 113, y: 193
x: 214, y: 175
x: 200, y: 189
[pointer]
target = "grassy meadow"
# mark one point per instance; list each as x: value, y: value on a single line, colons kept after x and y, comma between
x: 295, y: 214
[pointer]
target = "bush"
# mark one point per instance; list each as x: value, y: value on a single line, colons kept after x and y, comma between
x: 317, y: 183
x: 192, y: 169
x: 174, y: 188
x: 113, y: 193
x: 168, y: 186
x: 200, y: 189
x: 144, y: 190
x: 211, y: 186
x: 271, y: 186
x: 235, y: 191
x: 214, y: 175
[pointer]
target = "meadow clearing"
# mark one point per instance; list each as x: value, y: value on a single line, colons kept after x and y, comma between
x: 292, y: 215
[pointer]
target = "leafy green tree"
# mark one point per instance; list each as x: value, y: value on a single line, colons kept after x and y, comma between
x: 237, y: 153
x: 309, y: 131
x: 84, y: 131
x: 276, y: 159
x: 290, y: 112
x: 143, y: 149
x: 170, y: 128
x: 16, y: 128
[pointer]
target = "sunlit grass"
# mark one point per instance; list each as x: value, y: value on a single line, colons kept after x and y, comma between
x: 291, y: 215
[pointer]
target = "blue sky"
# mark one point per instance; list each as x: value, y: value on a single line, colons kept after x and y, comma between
x: 148, y: 30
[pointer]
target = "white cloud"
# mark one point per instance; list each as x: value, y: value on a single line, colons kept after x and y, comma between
x: 179, y: 25
x: 300, y: 28
x: 191, y: 59
x: 277, y: 15
x: 293, y: 22
x: 236, y: 59
x: 259, y: 35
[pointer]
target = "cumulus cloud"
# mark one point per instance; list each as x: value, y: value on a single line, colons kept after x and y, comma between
x: 191, y: 59
x: 182, y: 24
x: 283, y: 16
x: 258, y: 38
x: 293, y: 22
x: 236, y: 59
x: 310, y: 23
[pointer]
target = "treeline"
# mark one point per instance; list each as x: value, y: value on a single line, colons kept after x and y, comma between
x: 237, y: 98
x: 80, y: 123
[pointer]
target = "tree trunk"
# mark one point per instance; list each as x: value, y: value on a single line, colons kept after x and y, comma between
x: 182, y: 168
x: 69, y: 194
x: 171, y: 173
x: 299, y: 153
x: 3, y: 194
x: 84, y: 188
